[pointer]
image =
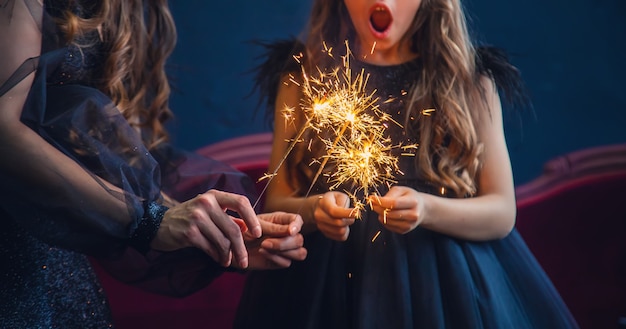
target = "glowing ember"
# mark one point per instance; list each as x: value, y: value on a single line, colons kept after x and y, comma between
x: 348, y: 121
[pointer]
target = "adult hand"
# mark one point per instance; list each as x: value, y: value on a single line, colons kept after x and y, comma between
x: 401, y: 210
x: 280, y: 244
x: 333, y: 215
x: 202, y: 222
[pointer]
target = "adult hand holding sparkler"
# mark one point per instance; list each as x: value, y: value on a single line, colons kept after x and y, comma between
x: 333, y: 216
x: 402, y: 209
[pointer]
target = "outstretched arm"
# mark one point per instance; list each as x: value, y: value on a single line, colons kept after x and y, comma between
x: 75, y: 173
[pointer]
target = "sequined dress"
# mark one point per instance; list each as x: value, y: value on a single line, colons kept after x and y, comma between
x: 79, y: 182
x: 422, y: 279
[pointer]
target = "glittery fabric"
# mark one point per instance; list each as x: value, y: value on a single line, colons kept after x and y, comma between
x: 46, y: 287
x: 52, y: 213
x: 42, y: 286
x: 148, y: 226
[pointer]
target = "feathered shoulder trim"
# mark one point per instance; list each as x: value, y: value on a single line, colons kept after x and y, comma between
x: 494, y: 63
x: 277, y: 59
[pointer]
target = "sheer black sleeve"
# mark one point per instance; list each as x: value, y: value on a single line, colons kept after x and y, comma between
x: 76, y: 175
x: 51, y: 135
x: 73, y: 171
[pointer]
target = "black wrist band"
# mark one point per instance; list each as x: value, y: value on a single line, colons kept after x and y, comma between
x: 148, y: 226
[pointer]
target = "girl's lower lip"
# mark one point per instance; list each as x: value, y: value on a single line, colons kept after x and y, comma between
x: 379, y: 35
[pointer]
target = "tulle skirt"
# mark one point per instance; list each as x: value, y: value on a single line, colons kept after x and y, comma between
x: 419, y: 280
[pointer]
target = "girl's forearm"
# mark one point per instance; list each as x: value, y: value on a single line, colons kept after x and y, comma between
x: 480, y: 218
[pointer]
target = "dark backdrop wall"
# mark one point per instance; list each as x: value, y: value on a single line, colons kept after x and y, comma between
x: 571, y: 54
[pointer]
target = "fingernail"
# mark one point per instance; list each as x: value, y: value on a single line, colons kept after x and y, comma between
x: 267, y: 244
x: 243, y: 263
x: 293, y: 230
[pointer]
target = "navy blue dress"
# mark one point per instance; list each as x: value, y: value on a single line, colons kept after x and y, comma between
x: 90, y: 197
x: 421, y: 279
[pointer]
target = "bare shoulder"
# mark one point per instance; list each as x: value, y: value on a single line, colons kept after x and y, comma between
x: 491, y: 112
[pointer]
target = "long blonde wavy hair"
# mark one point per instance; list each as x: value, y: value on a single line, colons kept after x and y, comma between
x: 450, y: 153
x: 138, y: 37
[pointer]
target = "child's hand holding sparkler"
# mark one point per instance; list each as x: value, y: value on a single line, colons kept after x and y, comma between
x: 280, y: 244
x: 401, y: 210
x: 333, y: 215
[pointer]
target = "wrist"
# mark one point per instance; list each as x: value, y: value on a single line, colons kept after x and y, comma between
x: 310, y: 223
x: 147, y: 227
x: 428, y: 203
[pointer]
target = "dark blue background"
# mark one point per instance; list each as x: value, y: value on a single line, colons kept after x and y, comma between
x: 570, y: 53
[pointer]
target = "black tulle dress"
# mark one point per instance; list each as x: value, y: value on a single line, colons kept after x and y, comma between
x: 421, y: 279
x: 80, y: 182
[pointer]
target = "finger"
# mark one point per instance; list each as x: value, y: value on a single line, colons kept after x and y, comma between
x: 399, y: 209
x: 383, y: 202
x: 241, y: 224
x: 400, y: 215
x: 241, y: 205
x: 275, y: 261
x: 394, y: 225
x: 294, y: 221
x: 282, y: 244
x: 213, y: 252
x: 335, y: 212
x: 401, y: 229
x: 337, y: 208
x: 337, y: 222
x: 228, y: 228
x: 197, y: 238
x: 280, y: 223
x: 332, y: 232
x: 296, y: 225
x: 210, y: 233
x: 279, y: 217
x: 397, y: 191
x: 276, y: 224
x: 341, y: 200
x: 275, y: 230
x: 295, y: 254
x: 401, y: 197
x: 238, y: 248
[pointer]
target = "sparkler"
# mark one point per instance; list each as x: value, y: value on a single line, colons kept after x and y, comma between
x: 349, y: 123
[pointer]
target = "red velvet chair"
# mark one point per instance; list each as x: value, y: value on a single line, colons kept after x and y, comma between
x: 573, y: 218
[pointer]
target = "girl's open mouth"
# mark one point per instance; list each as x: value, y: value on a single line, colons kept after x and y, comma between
x: 380, y: 18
